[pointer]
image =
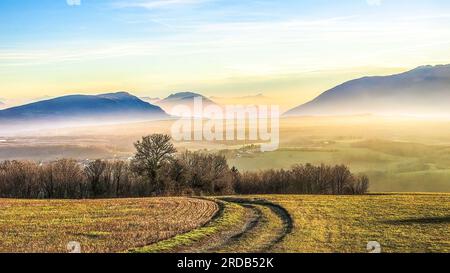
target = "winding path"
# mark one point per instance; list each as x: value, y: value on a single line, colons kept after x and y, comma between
x: 269, y: 227
x: 241, y: 225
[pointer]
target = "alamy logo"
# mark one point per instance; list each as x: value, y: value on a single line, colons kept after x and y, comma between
x: 374, y: 247
x: 257, y: 123
x: 74, y: 247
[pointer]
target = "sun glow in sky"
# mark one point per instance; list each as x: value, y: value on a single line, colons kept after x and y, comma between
x: 290, y: 50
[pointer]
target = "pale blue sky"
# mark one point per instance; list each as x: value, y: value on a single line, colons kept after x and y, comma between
x: 285, y: 49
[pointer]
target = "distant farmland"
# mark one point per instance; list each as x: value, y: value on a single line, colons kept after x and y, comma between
x: 398, y: 155
x: 279, y: 223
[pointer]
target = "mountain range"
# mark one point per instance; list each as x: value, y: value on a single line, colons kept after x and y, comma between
x: 110, y: 107
x: 185, y: 99
x: 421, y: 91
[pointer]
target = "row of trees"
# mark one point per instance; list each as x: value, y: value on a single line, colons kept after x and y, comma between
x: 157, y: 169
x: 303, y: 179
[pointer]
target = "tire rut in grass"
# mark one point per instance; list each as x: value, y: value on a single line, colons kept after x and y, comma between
x: 270, y: 227
x: 254, y: 216
x: 227, y: 223
x: 239, y: 225
x: 228, y: 236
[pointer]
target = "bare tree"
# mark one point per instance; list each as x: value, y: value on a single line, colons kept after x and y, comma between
x: 94, y: 171
x: 341, y: 177
x: 151, y: 152
x: 362, y: 186
x: 119, y: 170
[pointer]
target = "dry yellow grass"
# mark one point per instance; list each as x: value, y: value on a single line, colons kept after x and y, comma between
x: 399, y: 222
x: 98, y: 225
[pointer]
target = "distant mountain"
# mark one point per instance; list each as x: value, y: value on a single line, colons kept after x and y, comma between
x: 421, y: 91
x: 112, y: 107
x: 2, y: 105
x: 183, y: 99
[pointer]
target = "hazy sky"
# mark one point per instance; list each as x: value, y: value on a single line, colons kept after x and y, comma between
x: 290, y: 50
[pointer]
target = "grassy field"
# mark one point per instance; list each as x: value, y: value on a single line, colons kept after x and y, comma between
x: 402, y: 223
x: 278, y: 223
x: 399, y: 222
x: 98, y: 225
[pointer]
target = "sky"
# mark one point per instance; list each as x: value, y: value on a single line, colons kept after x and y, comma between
x: 290, y: 50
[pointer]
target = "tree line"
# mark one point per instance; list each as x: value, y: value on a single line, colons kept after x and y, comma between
x: 158, y: 170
